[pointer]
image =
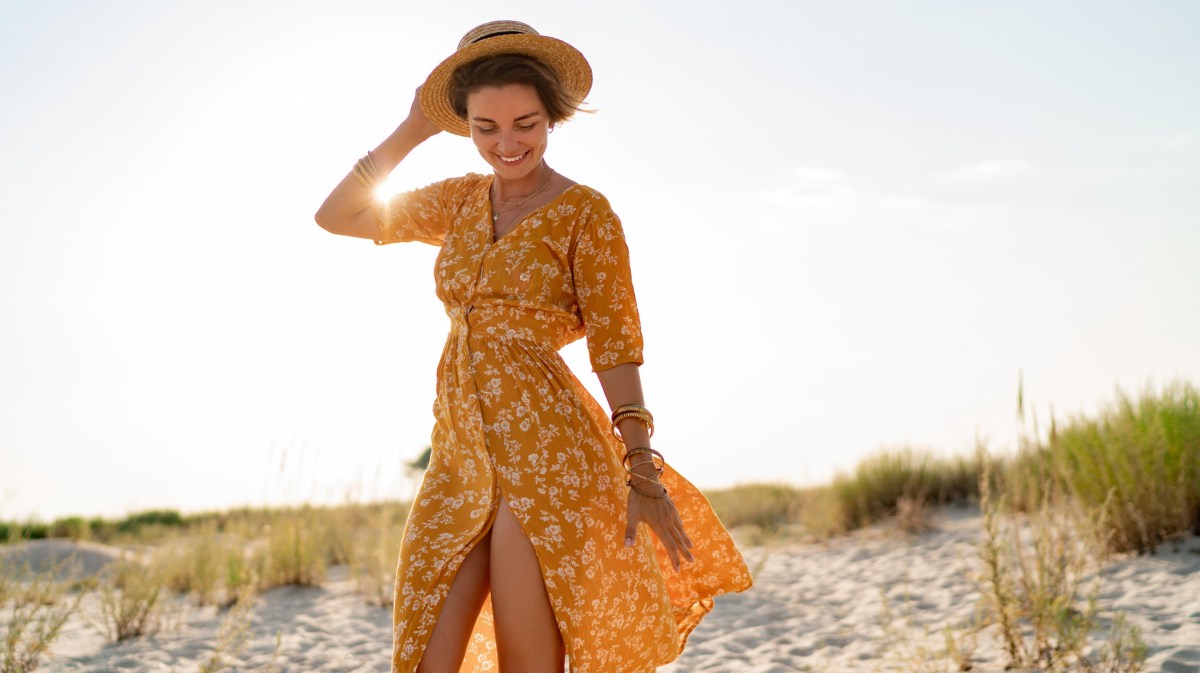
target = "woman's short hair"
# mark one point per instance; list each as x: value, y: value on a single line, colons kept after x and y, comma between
x: 505, y: 69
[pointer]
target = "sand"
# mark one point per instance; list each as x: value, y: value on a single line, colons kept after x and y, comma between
x: 876, y: 600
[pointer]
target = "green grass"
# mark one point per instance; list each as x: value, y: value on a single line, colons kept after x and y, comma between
x: 769, y: 507
x: 1135, y: 467
x: 881, y: 482
x: 1138, y: 462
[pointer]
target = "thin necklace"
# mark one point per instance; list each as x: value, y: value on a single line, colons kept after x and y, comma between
x: 497, y: 213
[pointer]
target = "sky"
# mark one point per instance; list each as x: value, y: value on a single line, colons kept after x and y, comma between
x: 853, y: 227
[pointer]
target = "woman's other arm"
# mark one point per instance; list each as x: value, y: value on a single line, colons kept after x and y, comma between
x: 351, y: 209
x: 623, y: 385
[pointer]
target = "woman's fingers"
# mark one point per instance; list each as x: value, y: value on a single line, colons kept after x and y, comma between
x: 671, y: 536
x: 664, y: 522
x: 681, y: 541
x: 632, y: 517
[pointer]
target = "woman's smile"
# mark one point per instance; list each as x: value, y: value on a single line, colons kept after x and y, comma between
x: 513, y: 160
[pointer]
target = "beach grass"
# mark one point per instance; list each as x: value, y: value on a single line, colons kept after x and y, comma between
x: 907, y: 477
x: 374, y: 549
x: 1039, y: 576
x: 1138, y: 461
x: 38, y: 606
x: 131, y: 598
x: 766, y: 507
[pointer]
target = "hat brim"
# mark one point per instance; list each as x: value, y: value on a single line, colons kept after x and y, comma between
x: 566, y: 61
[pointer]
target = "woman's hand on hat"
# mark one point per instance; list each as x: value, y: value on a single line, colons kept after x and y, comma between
x: 417, y: 121
x: 662, y: 518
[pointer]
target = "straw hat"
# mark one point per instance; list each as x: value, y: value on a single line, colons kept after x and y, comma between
x: 491, y: 39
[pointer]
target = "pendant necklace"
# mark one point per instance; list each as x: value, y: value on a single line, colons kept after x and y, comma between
x: 497, y: 213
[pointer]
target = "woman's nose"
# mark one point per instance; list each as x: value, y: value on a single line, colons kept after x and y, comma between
x: 508, y: 141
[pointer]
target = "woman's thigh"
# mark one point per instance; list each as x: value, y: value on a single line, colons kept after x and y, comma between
x: 448, y: 643
x: 527, y: 637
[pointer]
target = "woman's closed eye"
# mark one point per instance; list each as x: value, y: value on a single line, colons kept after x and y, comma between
x: 493, y: 129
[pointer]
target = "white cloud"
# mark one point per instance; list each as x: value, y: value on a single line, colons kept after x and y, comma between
x: 812, y: 186
x: 839, y: 198
x: 991, y: 169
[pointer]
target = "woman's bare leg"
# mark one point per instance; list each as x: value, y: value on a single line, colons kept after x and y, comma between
x: 448, y: 644
x: 527, y: 638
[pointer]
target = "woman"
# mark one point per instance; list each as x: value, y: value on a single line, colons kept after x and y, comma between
x: 522, y: 546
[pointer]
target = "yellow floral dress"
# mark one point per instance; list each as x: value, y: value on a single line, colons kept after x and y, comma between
x: 513, y: 421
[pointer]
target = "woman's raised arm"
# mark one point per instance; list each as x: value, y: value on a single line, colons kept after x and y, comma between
x: 352, y: 209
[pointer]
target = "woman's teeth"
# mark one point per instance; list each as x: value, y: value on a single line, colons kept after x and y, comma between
x: 513, y: 160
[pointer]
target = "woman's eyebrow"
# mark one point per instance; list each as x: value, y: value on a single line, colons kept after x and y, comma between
x: 492, y: 121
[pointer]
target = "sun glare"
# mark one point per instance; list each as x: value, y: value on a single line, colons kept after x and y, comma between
x: 386, y: 190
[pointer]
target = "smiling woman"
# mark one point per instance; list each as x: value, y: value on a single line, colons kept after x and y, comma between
x: 522, y: 546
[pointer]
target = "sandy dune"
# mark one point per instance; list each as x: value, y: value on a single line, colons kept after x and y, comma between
x: 814, y: 608
x: 69, y: 559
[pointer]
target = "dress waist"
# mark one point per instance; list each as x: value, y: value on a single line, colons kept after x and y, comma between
x: 503, y: 321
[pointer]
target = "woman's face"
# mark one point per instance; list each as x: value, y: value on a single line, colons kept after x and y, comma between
x: 510, y: 127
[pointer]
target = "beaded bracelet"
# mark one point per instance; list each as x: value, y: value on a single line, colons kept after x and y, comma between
x: 642, y: 449
x: 647, y: 495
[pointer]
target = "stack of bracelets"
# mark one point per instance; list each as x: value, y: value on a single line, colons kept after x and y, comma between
x: 637, y: 411
x: 365, y: 171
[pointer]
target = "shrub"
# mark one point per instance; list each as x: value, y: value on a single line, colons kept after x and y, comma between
x: 70, y: 527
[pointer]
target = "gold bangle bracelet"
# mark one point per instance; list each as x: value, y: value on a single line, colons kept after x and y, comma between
x: 657, y: 467
x: 630, y: 407
x: 634, y: 476
x: 645, y: 419
x: 624, y: 412
x: 362, y: 179
x: 644, y: 449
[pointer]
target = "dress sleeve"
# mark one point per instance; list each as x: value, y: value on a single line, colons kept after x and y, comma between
x: 419, y: 215
x: 604, y: 291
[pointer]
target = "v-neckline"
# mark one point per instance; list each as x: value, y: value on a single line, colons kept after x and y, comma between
x: 494, y: 239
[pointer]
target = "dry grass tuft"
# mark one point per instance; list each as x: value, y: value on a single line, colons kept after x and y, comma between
x: 131, y: 598
x: 375, y: 550
x: 1040, y: 581
x: 233, y: 635
x: 39, y: 606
